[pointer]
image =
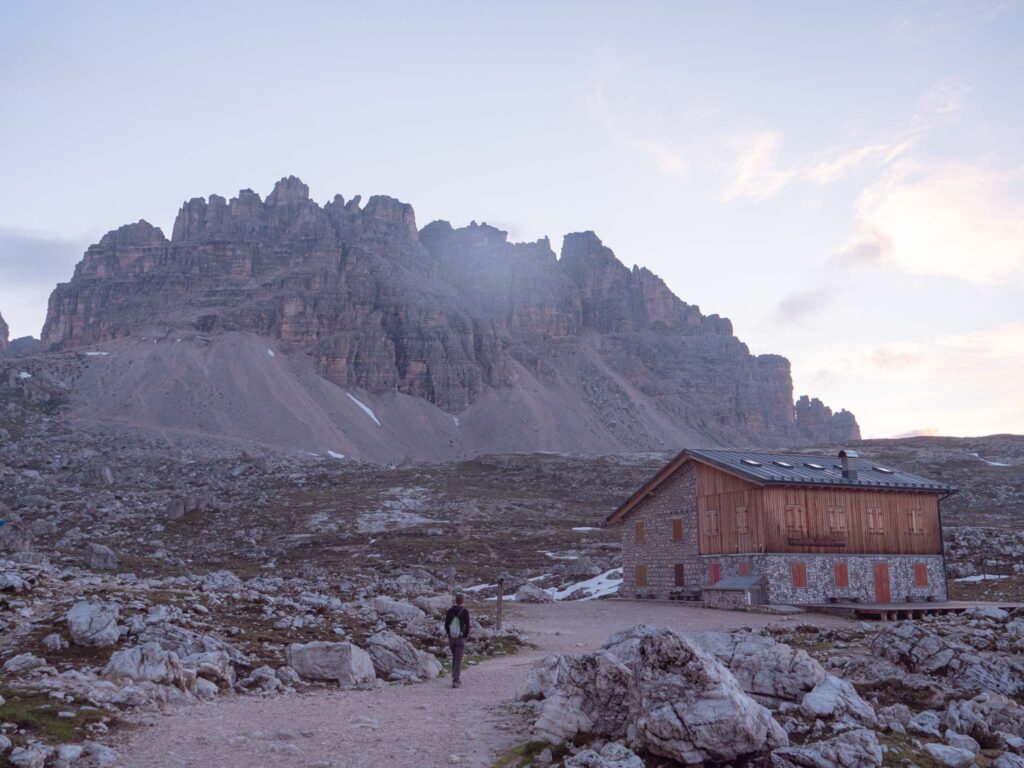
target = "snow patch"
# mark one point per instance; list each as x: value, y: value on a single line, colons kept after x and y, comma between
x: 366, y: 409
x: 602, y: 585
x: 456, y: 420
x: 586, y: 528
x: 270, y: 352
x: 24, y: 375
x: 990, y: 463
x: 480, y: 587
x: 556, y: 556
x: 335, y: 455
x: 981, y: 577
x: 96, y: 354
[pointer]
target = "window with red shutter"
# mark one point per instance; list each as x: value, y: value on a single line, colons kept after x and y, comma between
x: 716, y: 573
x: 744, y: 569
x: 638, y: 530
x: 677, y: 530
x: 799, y: 575
x: 641, y: 575
x: 842, y: 576
x: 680, y: 575
x: 920, y: 575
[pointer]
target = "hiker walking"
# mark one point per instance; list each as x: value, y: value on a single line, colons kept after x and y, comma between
x: 456, y: 626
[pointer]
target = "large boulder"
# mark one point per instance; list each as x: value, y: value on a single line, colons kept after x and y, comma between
x: 856, y: 748
x: 836, y: 699
x: 186, y: 642
x: 221, y: 581
x: 23, y: 662
x: 531, y: 593
x: 770, y: 671
x: 149, y: 663
x: 919, y: 648
x: 100, y: 557
x: 592, y: 698
x: 394, y: 657
x: 93, y: 624
x: 396, y: 610
x: 624, y: 645
x: 685, y: 705
x: 544, y: 678
x: 988, y: 716
x: 611, y: 755
x: 344, y: 663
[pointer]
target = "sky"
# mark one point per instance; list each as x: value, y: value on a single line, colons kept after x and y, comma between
x: 845, y: 182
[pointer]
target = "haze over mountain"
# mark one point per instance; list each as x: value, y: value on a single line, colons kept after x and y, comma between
x: 287, y: 322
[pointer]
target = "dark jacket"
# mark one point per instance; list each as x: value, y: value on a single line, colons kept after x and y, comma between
x: 463, y: 613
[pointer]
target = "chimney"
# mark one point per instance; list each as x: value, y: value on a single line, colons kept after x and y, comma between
x: 849, y: 459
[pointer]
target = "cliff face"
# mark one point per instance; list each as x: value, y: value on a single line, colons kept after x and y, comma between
x: 448, y: 315
x: 4, y: 334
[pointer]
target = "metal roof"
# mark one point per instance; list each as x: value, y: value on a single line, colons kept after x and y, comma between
x: 736, y: 582
x: 801, y: 469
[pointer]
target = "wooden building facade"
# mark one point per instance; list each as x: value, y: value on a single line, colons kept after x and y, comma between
x: 813, y: 529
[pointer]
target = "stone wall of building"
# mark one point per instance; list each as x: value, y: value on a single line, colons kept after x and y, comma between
x: 776, y: 572
x: 676, y: 498
x: 726, y: 599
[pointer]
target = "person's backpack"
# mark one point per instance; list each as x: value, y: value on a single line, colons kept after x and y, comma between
x: 455, y: 627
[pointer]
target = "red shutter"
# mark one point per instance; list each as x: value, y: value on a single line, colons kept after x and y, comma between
x: 842, y: 576
x: 641, y: 576
x: 744, y: 569
x: 677, y: 530
x: 716, y: 573
x: 680, y: 575
x: 920, y: 575
x: 799, y: 575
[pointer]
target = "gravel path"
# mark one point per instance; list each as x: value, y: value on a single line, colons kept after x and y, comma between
x: 404, y: 726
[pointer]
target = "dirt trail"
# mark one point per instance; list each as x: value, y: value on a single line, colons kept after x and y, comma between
x: 412, y: 726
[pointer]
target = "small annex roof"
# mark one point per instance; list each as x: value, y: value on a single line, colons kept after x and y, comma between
x: 791, y: 469
x: 736, y: 582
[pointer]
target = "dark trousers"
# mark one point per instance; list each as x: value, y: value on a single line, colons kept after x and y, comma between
x: 457, y: 645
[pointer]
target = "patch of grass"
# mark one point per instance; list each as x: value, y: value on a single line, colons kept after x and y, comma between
x: 524, y: 754
x: 901, y: 752
x: 38, y: 714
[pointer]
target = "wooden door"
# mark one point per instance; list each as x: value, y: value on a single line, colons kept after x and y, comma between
x: 716, y: 573
x: 882, y: 594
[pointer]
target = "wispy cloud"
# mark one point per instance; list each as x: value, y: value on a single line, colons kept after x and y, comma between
x: 953, y: 220
x: 668, y: 160
x: 963, y: 383
x: 761, y: 170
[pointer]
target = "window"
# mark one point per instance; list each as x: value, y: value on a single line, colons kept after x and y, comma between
x: 837, y: 519
x: 715, y: 573
x: 742, y: 520
x: 677, y: 530
x: 812, y: 465
x: 876, y: 521
x: 680, y: 575
x: 842, y: 576
x: 795, y: 520
x: 711, y: 522
x: 641, y: 576
x: 799, y: 575
x: 744, y: 569
x: 750, y: 462
x: 916, y: 521
x: 920, y: 575
x: 780, y: 463
x: 638, y: 530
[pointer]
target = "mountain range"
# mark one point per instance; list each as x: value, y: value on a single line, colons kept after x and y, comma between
x: 346, y: 328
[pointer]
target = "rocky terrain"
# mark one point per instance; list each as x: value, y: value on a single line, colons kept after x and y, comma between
x: 343, y: 327
x: 141, y: 571
x: 4, y: 336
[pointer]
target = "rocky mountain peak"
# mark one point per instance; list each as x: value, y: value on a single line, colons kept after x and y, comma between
x: 456, y: 319
x: 288, y: 191
x: 4, y: 335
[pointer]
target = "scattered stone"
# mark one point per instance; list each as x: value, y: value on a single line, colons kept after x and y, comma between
x: 93, y: 624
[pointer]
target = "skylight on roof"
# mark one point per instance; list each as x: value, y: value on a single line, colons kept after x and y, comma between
x: 812, y: 465
x: 785, y: 464
x: 750, y: 462
x: 883, y: 470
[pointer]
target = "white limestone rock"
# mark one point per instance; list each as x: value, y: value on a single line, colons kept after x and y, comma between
x: 23, y: 662
x: 837, y: 699
x: 149, y: 663
x: 396, y: 610
x: 392, y: 654
x: 531, y: 593
x: 688, y: 707
x: 100, y: 557
x: 93, y: 624
x: 344, y: 663
x: 592, y: 698
x: 953, y: 757
x: 544, y: 678
x: 857, y: 748
x: 611, y: 755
